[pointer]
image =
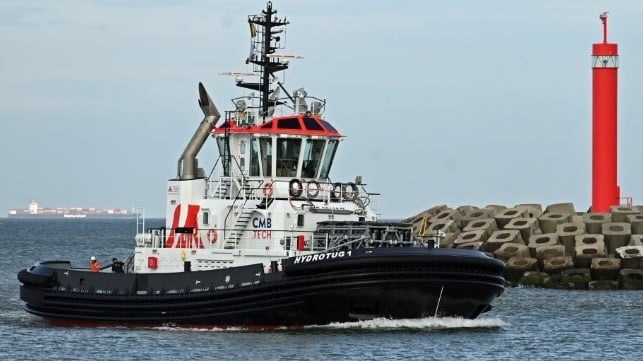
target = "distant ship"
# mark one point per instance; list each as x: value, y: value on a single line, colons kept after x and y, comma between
x: 34, y: 210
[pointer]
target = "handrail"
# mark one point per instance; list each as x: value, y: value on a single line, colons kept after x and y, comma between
x: 628, y: 201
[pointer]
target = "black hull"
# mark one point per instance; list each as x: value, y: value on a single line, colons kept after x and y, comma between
x: 365, y: 283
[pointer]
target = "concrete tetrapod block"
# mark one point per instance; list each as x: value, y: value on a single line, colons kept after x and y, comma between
x: 546, y: 252
x: 597, y: 240
x: 630, y: 256
x: 532, y: 210
x: 444, y: 215
x: 594, y: 221
x: 616, y: 235
x: 620, y: 213
x: 466, y: 209
x: 498, y: 238
x: 475, y: 215
x: 576, y: 218
x: 636, y: 223
x: 471, y: 236
x: 567, y: 207
x: 587, y: 247
x: 567, y: 233
x: 488, y: 225
x: 549, y: 221
x: 422, y: 220
x: 461, y: 212
x: 556, y: 265
x: 549, y: 239
x: 527, y: 226
x: 517, y: 266
x: 605, y: 268
x: 631, y: 279
x: 505, y: 216
x: 636, y: 240
x: 494, y: 209
x: 447, y: 225
x: 539, y: 240
x: 508, y: 250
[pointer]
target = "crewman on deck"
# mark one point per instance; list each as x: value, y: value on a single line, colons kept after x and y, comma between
x: 117, y: 266
x: 94, y: 265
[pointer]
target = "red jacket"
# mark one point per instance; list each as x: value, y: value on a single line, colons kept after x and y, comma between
x: 95, y: 266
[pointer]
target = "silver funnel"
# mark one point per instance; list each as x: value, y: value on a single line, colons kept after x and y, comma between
x: 187, y: 164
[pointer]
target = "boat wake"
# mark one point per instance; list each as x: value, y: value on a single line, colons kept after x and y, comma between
x: 429, y: 323
x: 383, y: 324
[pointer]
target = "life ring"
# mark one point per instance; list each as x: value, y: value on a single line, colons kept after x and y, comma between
x: 267, y: 190
x: 313, y: 188
x: 336, y: 193
x: 295, y: 188
x: 350, y: 191
x: 212, y: 236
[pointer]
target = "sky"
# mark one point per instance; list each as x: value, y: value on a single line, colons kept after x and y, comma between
x: 442, y: 102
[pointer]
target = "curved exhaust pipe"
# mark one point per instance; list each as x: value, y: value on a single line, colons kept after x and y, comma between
x: 187, y: 164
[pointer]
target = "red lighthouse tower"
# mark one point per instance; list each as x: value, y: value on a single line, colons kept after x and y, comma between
x: 605, y: 190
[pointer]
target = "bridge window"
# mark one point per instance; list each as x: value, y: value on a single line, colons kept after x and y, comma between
x: 328, y: 158
x: 287, y: 157
x: 254, y: 157
x: 312, y: 157
x: 265, y: 146
x: 289, y: 123
x: 242, y: 159
x: 311, y: 124
x: 224, y: 153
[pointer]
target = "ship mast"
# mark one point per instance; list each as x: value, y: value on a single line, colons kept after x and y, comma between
x: 263, y: 43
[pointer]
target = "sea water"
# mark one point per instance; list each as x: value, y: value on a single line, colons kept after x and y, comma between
x: 525, y: 323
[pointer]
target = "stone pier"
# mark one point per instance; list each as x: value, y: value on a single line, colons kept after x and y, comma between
x: 550, y: 246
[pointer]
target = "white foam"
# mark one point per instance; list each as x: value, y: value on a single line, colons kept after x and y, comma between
x: 429, y: 323
x: 421, y: 323
x: 170, y: 327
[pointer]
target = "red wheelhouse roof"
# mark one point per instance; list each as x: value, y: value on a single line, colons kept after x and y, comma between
x: 296, y: 124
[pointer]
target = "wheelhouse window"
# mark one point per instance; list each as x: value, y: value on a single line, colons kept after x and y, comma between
x: 288, y: 123
x: 328, y: 158
x: 311, y: 124
x: 224, y: 153
x: 254, y: 157
x: 242, y: 158
x: 287, y: 156
x: 313, y: 152
x: 265, y: 147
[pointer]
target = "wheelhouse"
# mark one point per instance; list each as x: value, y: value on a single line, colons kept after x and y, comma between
x: 294, y: 146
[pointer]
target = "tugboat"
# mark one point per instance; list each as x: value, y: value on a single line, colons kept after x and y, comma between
x: 265, y: 237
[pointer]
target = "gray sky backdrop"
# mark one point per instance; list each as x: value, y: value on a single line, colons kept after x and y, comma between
x: 443, y: 102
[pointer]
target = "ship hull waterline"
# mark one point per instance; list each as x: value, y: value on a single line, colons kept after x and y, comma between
x: 387, y: 283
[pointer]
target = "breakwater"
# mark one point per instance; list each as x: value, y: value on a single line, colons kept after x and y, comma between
x: 553, y: 246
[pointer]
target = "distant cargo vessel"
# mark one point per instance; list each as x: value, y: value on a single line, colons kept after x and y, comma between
x: 34, y: 210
